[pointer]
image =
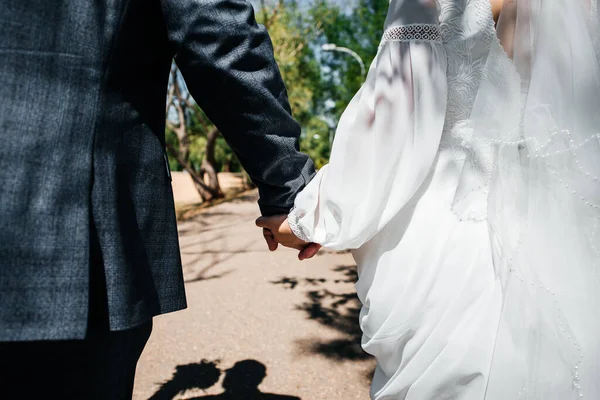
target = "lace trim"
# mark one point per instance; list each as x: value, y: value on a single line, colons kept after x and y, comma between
x: 294, y: 223
x: 412, y: 32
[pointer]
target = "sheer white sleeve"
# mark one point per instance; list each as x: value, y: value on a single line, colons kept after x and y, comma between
x: 387, y: 139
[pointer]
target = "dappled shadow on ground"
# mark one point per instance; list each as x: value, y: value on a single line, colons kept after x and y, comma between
x: 336, y: 310
x: 201, y: 262
x: 204, y: 276
x: 209, y: 240
x: 241, y: 382
x: 249, y: 196
x: 186, y: 212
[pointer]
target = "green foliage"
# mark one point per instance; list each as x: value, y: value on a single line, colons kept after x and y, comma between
x: 316, y: 141
x: 294, y: 33
x: 290, y: 33
x: 226, y: 158
x: 359, y: 30
x: 171, y: 140
x: 321, y: 84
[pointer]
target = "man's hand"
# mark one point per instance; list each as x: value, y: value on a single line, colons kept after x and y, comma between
x: 276, y: 230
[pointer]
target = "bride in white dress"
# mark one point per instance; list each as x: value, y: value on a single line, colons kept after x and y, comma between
x: 464, y: 176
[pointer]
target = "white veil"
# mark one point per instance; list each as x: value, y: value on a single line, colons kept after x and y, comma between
x: 535, y: 133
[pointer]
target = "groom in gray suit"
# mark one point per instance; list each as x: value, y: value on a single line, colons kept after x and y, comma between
x: 88, y: 239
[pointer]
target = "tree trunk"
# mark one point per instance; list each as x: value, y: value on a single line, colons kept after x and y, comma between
x: 184, y: 145
x: 206, y: 192
x: 180, y: 129
x: 209, y: 162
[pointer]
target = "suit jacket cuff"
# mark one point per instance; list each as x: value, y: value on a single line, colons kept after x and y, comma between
x: 268, y: 211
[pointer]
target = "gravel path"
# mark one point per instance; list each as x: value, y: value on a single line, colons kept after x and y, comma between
x: 257, y: 322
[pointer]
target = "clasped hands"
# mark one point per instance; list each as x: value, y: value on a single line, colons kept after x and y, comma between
x: 277, y: 231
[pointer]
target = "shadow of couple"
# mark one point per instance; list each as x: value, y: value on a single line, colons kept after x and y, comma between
x: 241, y: 382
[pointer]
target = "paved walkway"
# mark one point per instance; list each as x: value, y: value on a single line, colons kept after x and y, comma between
x: 256, y: 320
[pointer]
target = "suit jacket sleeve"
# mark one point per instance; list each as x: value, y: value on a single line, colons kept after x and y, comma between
x: 228, y: 65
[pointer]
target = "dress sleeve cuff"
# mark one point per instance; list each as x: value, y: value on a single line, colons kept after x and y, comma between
x: 294, y: 222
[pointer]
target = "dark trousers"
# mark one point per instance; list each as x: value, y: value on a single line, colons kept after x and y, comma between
x: 99, y: 367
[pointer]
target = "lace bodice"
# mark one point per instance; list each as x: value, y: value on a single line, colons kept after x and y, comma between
x: 468, y: 33
x: 466, y: 29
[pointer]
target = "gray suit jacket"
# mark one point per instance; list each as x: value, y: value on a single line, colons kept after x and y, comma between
x: 82, y: 108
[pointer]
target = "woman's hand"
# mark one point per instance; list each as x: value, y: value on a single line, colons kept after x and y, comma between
x: 277, y: 231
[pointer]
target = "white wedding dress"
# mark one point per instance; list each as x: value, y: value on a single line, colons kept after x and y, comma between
x: 466, y: 183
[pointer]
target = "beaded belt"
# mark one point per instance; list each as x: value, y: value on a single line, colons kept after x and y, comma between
x: 412, y: 33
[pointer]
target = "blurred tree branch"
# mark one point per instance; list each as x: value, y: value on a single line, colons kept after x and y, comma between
x: 179, y: 100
